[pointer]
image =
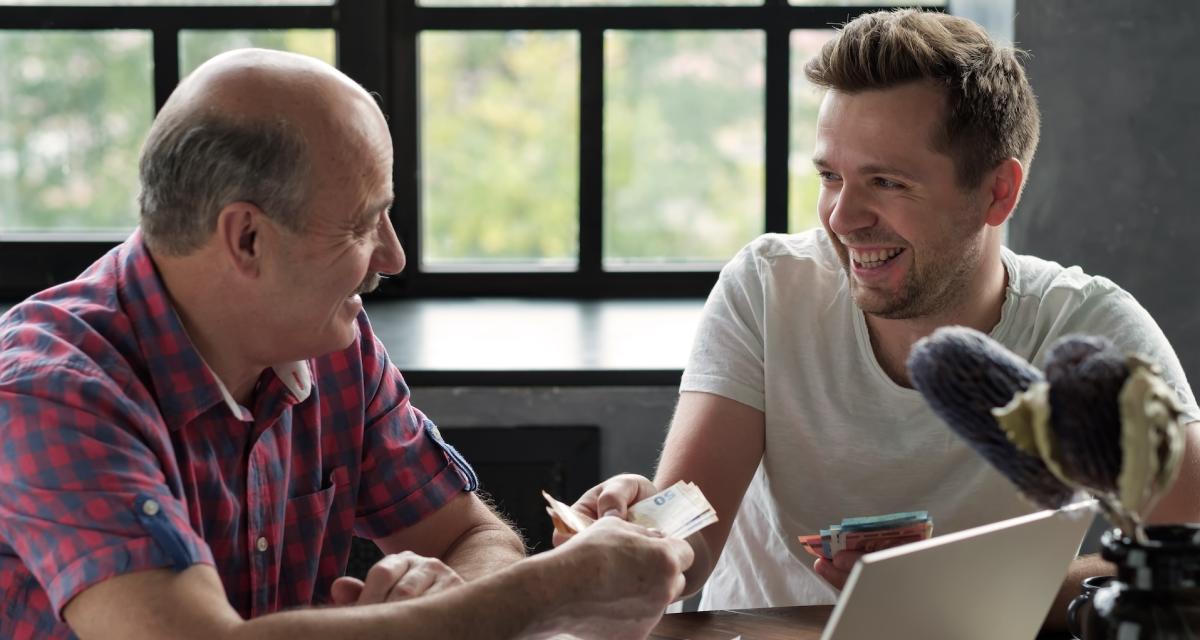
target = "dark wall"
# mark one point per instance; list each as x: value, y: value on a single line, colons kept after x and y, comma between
x: 1114, y: 186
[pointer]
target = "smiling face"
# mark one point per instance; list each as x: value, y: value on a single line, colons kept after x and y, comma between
x: 316, y: 276
x: 910, y: 238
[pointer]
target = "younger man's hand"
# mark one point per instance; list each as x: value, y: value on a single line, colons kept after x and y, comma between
x: 837, y: 571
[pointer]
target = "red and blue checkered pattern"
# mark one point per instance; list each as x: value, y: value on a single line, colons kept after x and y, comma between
x: 118, y: 453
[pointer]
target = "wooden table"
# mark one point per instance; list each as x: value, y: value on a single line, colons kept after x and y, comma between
x: 790, y: 623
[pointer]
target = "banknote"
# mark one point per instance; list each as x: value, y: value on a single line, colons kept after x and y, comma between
x: 678, y: 511
x: 566, y: 520
x: 867, y: 534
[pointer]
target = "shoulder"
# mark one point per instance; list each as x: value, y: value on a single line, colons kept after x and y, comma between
x: 807, y: 246
x: 65, y: 327
x: 1050, y: 283
x: 81, y: 328
x: 1053, y: 301
x: 807, y: 254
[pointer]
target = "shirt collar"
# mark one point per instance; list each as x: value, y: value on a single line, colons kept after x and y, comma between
x: 295, y: 376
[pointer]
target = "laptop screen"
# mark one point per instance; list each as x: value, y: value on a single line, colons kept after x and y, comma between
x: 993, y: 582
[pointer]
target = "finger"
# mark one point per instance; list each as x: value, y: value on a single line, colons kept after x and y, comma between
x: 345, y: 591
x: 844, y: 560
x: 414, y: 583
x: 616, y: 497
x: 824, y: 568
x: 677, y: 585
x: 557, y: 538
x: 831, y: 574
x: 681, y: 552
x: 383, y: 576
x: 586, y: 504
x: 444, y: 581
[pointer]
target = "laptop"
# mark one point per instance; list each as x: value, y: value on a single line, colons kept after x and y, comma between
x: 994, y: 582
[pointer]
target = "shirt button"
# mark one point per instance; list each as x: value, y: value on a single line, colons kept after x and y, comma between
x: 262, y: 543
x: 150, y: 508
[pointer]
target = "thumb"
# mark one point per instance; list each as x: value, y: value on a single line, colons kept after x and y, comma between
x: 345, y: 591
x: 615, y: 498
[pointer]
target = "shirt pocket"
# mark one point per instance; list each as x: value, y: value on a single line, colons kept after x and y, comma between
x: 315, y: 546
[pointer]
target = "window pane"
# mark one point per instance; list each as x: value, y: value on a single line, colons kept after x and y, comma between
x: 683, y: 149
x: 871, y: 3
x: 581, y: 3
x: 99, y: 3
x: 196, y: 46
x: 499, y: 149
x: 74, y: 109
x: 803, y: 184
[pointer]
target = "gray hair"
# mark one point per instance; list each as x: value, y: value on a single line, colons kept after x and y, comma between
x: 192, y: 167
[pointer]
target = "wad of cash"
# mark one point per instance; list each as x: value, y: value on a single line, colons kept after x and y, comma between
x: 869, y: 534
x: 678, y: 511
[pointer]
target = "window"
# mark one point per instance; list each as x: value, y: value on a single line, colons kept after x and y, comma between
x: 575, y: 148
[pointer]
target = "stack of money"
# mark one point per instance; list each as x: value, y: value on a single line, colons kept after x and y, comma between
x: 678, y: 511
x: 869, y: 534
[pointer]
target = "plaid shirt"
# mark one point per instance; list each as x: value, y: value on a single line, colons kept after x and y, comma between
x: 120, y: 451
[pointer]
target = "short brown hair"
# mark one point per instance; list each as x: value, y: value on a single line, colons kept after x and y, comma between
x: 991, y: 112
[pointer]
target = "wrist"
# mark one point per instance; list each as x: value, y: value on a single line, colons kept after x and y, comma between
x: 703, y: 563
x: 550, y: 587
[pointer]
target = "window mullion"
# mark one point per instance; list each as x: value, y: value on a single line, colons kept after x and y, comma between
x: 591, y: 150
x: 166, y: 64
x: 777, y: 134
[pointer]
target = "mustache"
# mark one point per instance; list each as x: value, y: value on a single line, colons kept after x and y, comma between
x: 369, y: 284
x: 870, y: 237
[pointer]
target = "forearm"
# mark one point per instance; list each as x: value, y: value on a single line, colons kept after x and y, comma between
x: 702, y: 566
x: 484, y: 550
x: 1082, y: 567
x: 507, y: 604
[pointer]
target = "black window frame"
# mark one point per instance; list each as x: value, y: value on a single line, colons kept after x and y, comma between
x: 383, y: 56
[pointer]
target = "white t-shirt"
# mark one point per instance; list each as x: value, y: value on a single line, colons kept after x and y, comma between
x: 781, y: 333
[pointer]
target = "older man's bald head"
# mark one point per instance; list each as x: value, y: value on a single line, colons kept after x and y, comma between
x: 261, y: 83
x: 249, y: 125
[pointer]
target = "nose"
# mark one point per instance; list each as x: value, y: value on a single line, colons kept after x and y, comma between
x: 849, y: 211
x: 388, y: 258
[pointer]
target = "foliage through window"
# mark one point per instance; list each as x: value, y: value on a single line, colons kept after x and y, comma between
x: 558, y: 147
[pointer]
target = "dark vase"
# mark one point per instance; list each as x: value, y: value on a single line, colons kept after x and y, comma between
x: 1081, y: 607
x: 1156, y: 593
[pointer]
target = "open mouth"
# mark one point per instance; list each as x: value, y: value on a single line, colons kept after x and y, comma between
x: 874, y: 259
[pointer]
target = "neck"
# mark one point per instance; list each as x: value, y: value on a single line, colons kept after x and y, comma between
x: 211, y: 323
x: 893, y: 339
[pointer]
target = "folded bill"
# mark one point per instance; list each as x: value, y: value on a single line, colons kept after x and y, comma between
x: 869, y: 533
x: 678, y: 511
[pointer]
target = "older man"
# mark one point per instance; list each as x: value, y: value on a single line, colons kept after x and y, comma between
x: 195, y: 427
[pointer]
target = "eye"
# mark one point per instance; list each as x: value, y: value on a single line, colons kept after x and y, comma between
x: 828, y: 176
x: 884, y: 183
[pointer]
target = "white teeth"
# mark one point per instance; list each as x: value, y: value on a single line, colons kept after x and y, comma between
x: 874, y: 258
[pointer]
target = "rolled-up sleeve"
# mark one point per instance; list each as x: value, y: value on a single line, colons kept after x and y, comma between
x: 408, y: 470
x: 83, y: 497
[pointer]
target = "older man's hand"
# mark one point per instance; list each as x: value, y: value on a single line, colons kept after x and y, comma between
x: 396, y: 577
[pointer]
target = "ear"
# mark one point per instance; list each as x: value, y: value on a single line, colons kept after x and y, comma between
x: 1003, y: 189
x: 239, y: 235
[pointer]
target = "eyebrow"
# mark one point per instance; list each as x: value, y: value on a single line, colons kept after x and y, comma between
x: 368, y: 214
x: 872, y: 168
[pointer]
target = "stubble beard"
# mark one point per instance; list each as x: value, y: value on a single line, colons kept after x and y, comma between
x: 924, y: 292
